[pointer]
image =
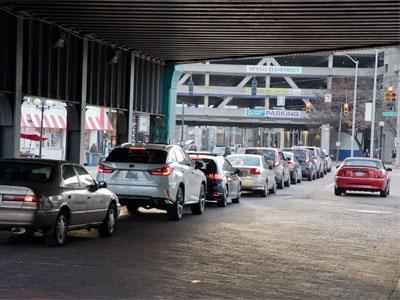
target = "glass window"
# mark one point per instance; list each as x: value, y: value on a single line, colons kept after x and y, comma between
x: 69, y: 176
x: 301, y: 155
x: 269, y: 154
x: 85, y: 178
x: 188, y: 160
x: 24, y: 171
x: 138, y: 155
x: 171, y: 157
x: 210, y: 166
x: 366, y: 163
x: 179, y: 156
x: 244, y: 160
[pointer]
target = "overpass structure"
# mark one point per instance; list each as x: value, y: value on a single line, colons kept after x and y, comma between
x: 123, y: 54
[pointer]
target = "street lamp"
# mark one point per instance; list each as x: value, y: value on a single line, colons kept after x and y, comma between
x: 353, y: 124
x: 42, y: 104
x: 381, y: 124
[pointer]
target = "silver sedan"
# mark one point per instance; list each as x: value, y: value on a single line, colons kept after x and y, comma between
x: 255, y: 173
x: 54, y: 197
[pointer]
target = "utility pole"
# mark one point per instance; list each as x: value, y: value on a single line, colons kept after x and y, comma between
x: 371, y: 149
x: 340, y: 129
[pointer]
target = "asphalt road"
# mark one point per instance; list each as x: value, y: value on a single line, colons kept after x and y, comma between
x: 302, y: 243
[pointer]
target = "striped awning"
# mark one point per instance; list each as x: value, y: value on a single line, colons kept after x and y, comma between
x: 94, y: 123
x: 34, y: 121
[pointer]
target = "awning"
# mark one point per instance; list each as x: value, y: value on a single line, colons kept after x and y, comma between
x: 34, y: 121
x: 94, y: 123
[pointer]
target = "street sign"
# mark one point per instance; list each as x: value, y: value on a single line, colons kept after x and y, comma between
x: 281, y: 101
x: 255, y: 112
x: 397, y: 141
x: 337, y: 144
x: 389, y: 114
x: 328, y: 97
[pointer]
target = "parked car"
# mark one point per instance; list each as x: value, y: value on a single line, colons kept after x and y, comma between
x: 327, y: 159
x: 223, y: 183
x: 307, y: 164
x: 316, y: 156
x: 294, y: 166
x: 54, y: 197
x: 280, y: 165
x: 362, y: 174
x: 222, y: 150
x: 256, y: 173
x: 154, y: 176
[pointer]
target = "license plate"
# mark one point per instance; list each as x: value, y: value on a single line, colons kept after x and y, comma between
x: 359, y: 173
x: 131, y: 175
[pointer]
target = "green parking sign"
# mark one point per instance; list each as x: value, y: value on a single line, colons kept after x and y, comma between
x: 389, y: 114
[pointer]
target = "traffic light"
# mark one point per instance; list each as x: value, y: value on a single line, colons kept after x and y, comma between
x: 346, y: 109
x: 308, y: 107
x: 390, y: 95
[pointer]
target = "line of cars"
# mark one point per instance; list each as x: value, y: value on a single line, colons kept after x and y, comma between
x: 57, y: 196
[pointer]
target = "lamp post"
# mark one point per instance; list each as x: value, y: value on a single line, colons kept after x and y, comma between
x: 353, y: 123
x: 381, y: 124
x: 42, y: 104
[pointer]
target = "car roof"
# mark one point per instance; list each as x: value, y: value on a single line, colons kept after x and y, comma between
x: 147, y: 146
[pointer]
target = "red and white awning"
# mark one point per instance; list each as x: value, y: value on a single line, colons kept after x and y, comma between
x: 34, y: 121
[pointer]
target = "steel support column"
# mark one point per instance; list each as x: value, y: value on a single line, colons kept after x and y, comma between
x: 131, y: 98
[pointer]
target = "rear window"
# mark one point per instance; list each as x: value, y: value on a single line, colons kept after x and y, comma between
x: 301, y: 155
x: 210, y: 167
x: 239, y: 161
x: 288, y: 155
x: 366, y: 163
x: 269, y: 154
x: 25, y: 171
x: 138, y: 155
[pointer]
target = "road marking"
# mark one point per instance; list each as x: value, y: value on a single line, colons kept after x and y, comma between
x: 330, y: 184
x: 371, y: 211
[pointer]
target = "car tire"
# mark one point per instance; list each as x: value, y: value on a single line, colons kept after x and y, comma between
x: 132, y: 208
x: 198, y: 208
x: 239, y: 194
x: 385, y: 192
x: 338, y: 191
x: 300, y: 179
x: 109, y: 224
x: 59, y: 235
x: 280, y: 184
x: 273, y: 189
x: 318, y: 174
x: 263, y: 193
x: 224, y: 199
x: 175, y: 211
x: 321, y: 175
x: 329, y: 170
x: 294, y: 181
x: 287, y: 183
x: 310, y: 176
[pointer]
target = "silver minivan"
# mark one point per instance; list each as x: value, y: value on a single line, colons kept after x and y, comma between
x: 154, y: 176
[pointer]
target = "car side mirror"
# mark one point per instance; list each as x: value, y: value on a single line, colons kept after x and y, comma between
x: 337, y: 167
x: 102, y: 184
x: 389, y: 169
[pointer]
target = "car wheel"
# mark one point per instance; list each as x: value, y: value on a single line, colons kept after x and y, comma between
x: 132, y: 208
x: 224, y: 199
x: 273, y: 189
x: 322, y: 174
x: 175, y: 211
x: 319, y: 173
x: 280, y: 184
x: 264, y: 192
x: 329, y: 170
x: 287, y: 183
x: 325, y: 171
x: 385, y: 192
x: 107, y: 228
x: 294, y: 181
x: 239, y: 194
x: 300, y: 178
x: 310, y: 176
x: 338, y: 191
x: 59, y: 235
x: 198, y: 208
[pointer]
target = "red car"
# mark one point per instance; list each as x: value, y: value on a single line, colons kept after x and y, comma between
x: 362, y: 174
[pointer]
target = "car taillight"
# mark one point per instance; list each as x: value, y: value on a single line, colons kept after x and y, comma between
x: 375, y: 174
x: 340, y: 172
x: 166, y: 171
x: 214, y: 176
x: 276, y: 163
x: 290, y: 164
x: 102, y: 169
x: 255, y: 171
x: 24, y: 198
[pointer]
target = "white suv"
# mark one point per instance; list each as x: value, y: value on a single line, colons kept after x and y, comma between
x: 154, y: 176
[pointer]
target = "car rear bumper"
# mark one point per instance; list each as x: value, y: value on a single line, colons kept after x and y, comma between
x: 360, y: 184
x: 252, y: 184
x: 13, y: 217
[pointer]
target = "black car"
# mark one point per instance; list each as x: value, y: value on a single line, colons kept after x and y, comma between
x: 222, y: 150
x: 223, y: 183
x: 308, y: 165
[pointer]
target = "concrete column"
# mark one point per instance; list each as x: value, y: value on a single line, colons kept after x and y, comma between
x: 131, y: 97
x: 267, y: 85
x: 282, y: 138
x: 330, y: 66
x: 171, y: 75
x: 325, y: 136
x: 206, y: 84
x: 83, y: 103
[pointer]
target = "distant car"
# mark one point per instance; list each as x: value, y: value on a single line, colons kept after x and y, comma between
x: 294, y: 166
x: 362, y: 174
x: 307, y: 164
x: 192, y: 148
x: 54, y: 197
x: 223, y: 183
x: 316, y: 156
x: 255, y: 173
x: 154, y: 176
x: 239, y: 151
x: 222, y: 150
x: 327, y: 159
x: 280, y: 165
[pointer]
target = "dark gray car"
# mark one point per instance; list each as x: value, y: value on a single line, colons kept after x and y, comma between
x: 53, y: 197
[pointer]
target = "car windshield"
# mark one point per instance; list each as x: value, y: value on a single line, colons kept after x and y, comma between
x: 301, y: 155
x: 219, y: 150
x: 243, y: 160
x: 25, y: 171
x: 269, y: 154
x: 363, y: 163
x: 138, y: 155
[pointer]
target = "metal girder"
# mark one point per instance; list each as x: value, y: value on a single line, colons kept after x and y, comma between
x: 179, y: 31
